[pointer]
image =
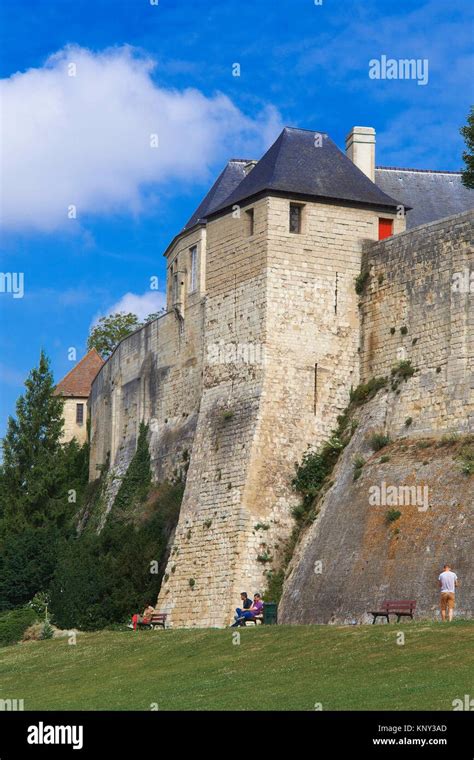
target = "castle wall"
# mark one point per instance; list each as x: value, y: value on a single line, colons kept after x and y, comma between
x: 292, y: 297
x: 154, y: 375
x: 420, y: 285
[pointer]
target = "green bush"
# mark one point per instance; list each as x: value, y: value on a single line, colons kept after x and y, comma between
x: 367, y: 391
x: 358, y: 465
x: 466, y: 457
x: 361, y: 281
x: 314, y: 468
x: 378, y: 441
x: 14, y: 623
x: 47, y: 632
x: 402, y: 371
x: 392, y: 515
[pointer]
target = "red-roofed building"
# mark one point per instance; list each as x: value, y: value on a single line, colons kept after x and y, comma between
x: 75, y: 388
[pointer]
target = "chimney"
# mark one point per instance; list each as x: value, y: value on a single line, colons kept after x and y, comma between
x: 360, y: 148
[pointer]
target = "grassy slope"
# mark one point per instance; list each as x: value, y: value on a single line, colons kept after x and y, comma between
x: 286, y: 667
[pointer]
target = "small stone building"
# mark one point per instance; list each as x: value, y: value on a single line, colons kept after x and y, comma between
x: 75, y: 388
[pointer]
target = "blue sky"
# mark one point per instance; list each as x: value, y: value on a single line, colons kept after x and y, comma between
x: 166, y: 69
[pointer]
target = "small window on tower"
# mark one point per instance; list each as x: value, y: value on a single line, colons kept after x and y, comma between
x: 174, y: 288
x: 250, y: 218
x: 80, y: 414
x: 193, y: 269
x: 385, y: 228
x: 295, y: 217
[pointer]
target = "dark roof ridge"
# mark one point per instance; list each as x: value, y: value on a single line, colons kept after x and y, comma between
x: 426, y: 171
x: 292, y: 165
x: 303, y: 129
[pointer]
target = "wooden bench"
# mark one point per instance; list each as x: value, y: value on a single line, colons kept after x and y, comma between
x: 157, y: 619
x: 400, y: 608
x: 254, y: 620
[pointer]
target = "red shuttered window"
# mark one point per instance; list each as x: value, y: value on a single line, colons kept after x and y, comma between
x: 385, y: 228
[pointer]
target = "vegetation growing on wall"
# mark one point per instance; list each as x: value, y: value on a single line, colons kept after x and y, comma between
x: 136, y: 482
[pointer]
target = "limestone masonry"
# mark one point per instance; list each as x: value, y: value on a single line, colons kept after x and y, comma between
x: 263, y: 337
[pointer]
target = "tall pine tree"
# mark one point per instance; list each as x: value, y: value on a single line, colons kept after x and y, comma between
x: 32, y: 453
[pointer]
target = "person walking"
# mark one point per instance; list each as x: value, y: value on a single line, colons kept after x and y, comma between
x: 448, y: 582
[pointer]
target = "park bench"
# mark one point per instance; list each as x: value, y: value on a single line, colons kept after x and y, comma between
x: 400, y: 608
x: 157, y: 619
x: 256, y: 619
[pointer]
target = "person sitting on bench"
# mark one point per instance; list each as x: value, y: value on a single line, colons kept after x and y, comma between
x: 246, y: 604
x: 142, y: 619
x: 250, y: 613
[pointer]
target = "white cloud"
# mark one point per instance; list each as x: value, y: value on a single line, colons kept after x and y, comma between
x: 148, y: 303
x: 84, y: 140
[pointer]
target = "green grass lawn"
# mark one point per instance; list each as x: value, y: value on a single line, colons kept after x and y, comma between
x: 273, y: 668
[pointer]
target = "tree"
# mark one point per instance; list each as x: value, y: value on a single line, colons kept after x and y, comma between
x: 154, y: 315
x: 468, y: 155
x: 31, y: 450
x: 109, y: 331
x: 27, y: 564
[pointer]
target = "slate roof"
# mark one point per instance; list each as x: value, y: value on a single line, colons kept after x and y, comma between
x: 77, y: 382
x: 431, y: 194
x: 294, y: 165
x: 224, y: 185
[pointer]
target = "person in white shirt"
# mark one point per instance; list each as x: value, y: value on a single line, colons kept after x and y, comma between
x: 448, y: 582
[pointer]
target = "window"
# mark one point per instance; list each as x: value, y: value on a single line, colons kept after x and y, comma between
x: 250, y: 219
x: 295, y: 218
x: 174, y: 288
x: 80, y: 414
x: 385, y: 228
x: 193, y: 269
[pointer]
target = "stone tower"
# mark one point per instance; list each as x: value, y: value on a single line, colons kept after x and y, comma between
x: 280, y: 345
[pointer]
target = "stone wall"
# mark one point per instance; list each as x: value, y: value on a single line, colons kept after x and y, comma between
x: 418, y: 306
x: 73, y: 429
x: 292, y: 298
x: 352, y: 557
x: 154, y: 375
